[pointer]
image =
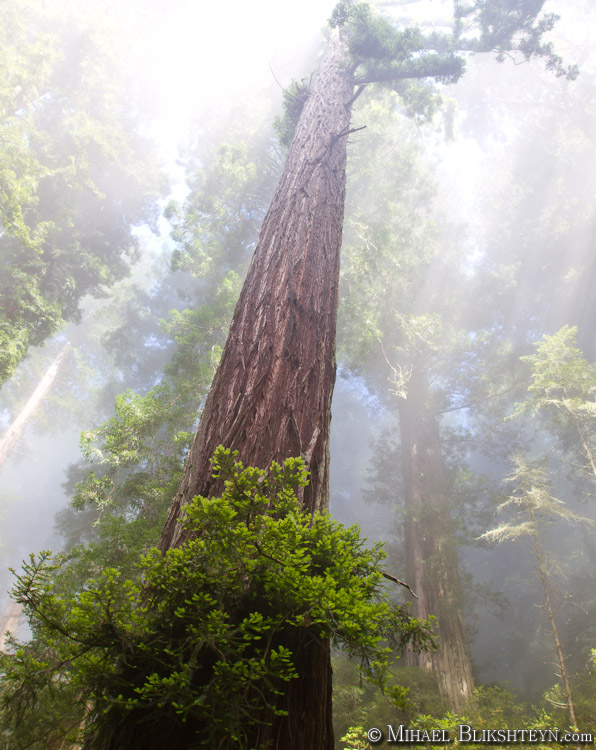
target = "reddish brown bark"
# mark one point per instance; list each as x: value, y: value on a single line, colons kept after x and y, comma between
x: 431, y: 550
x: 271, y: 396
x: 307, y: 700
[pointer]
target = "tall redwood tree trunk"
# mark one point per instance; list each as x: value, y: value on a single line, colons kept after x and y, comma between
x: 431, y: 551
x: 271, y: 395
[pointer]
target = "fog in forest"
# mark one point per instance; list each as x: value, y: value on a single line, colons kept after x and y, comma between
x: 138, y: 149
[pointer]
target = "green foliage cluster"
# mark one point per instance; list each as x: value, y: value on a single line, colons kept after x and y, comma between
x: 561, y: 394
x: 195, y: 645
x: 294, y: 99
x: 75, y: 173
x: 381, y: 53
x: 561, y: 377
x: 559, y: 406
x: 399, y: 59
x: 531, y: 505
x: 217, y: 223
x: 508, y: 27
x: 584, y: 701
x: 356, y: 702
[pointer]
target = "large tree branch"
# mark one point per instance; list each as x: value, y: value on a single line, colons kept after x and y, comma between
x: 431, y: 65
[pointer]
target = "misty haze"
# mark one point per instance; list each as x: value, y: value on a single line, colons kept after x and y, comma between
x: 297, y: 374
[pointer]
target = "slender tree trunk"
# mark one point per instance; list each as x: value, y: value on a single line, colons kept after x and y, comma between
x: 542, y: 572
x: 431, y: 551
x: 271, y: 395
x: 12, y: 616
x: 10, y: 621
x: 17, y: 428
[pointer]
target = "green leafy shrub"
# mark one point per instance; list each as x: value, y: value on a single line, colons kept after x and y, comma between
x: 194, y: 650
x: 356, y: 702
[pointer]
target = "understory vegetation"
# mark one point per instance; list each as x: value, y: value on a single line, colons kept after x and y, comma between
x: 199, y: 642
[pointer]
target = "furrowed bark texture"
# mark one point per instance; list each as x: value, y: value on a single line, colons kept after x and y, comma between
x: 271, y: 396
x: 431, y: 551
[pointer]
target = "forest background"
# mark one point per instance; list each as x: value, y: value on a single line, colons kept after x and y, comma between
x: 468, y: 239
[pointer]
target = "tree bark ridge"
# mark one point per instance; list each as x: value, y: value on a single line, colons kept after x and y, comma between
x: 271, y: 395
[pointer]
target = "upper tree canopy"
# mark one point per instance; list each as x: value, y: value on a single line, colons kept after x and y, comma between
x: 510, y: 28
x: 74, y: 173
x: 405, y: 59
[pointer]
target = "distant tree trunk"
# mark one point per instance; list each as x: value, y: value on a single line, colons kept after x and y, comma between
x: 542, y: 567
x: 9, y: 621
x: 271, y: 395
x: 17, y: 428
x: 431, y: 551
